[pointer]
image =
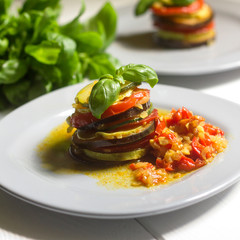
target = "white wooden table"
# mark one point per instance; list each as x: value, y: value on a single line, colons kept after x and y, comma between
x: 214, y: 218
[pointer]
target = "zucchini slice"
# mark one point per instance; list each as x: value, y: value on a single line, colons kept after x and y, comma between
x: 121, y: 156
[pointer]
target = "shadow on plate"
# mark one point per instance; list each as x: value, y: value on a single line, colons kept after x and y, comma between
x: 138, y: 41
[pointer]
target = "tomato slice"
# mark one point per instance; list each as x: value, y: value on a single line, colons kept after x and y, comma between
x: 152, y: 116
x: 139, y: 96
x: 166, y: 11
x: 78, y: 119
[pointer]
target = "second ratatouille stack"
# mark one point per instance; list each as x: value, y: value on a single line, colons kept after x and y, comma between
x: 181, y: 23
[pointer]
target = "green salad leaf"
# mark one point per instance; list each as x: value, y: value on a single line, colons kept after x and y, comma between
x: 46, y: 52
x: 106, y: 91
x: 39, y: 55
x: 12, y: 71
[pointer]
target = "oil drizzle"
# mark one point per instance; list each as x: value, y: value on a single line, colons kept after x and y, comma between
x: 53, y: 152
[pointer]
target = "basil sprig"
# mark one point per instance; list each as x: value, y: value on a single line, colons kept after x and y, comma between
x: 39, y: 55
x: 106, y: 91
x: 143, y: 5
x: 177, y: 3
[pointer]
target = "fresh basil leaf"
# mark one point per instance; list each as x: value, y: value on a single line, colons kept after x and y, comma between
x: 12, y: 71
x: 39, y: 5
x: 177, y: 2
x: 104, y: 93
x: 143, y: 6
x: 4, y: 6
x: 108, y: 76
x: 4, y: 43
x: 73, y: 28
x: 48, y: 73
x: 84, y: 59
x: 71, y: 68
x: 16, y: 48
x: 44, y: 22
x: 89, y: 42
x: 17, y: 93
x: 119, y: 79
x: 46, y: 52
x: 36, y: 89
x: 66, y: 43
x: 3, y: 101
x: 101, y: 64
x: 33, y: 46
x: 105, y: 23
x: 9, y: 26
x: 138, y: 73
x: 68, y: 61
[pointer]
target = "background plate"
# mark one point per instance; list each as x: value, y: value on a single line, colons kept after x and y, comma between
x: 134, y: 44
x: 21, y: 173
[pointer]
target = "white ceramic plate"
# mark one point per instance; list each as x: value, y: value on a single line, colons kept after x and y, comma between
x: 135, y: 44
x: 21, y: 173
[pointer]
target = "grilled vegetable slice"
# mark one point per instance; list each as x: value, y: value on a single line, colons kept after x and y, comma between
x: 95, y: 124
x: 83, y: 139
x: 120, y: 156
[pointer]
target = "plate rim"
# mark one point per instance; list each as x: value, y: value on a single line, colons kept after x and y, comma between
x: 170, y: 208
x: 224, y: 67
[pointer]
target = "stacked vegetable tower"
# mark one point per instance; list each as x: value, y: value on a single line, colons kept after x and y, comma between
x: 180, y: 23
x: 113, y: 117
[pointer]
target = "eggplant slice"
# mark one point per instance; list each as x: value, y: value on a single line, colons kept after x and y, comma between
x: 178, y: 44
x: 96, y: 142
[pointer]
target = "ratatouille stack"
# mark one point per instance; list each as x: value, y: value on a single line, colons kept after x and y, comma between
x: 180, y: 23
x: 114, y: 117
x: 115, y: 122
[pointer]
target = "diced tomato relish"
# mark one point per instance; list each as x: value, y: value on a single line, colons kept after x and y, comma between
x: 183, y: 142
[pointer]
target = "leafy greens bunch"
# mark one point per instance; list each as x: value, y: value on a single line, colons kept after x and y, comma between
x: 106, y: 91
x: 38, y: 55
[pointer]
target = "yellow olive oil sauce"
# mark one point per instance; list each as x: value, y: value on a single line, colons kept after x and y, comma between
x: 53, y: 152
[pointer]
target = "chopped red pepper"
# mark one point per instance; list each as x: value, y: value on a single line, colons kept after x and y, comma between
x: 144, y: 165
x: 160, y: 163
x: 160, y: 125
x: 185, y: 164
x: 199, y: 163
x: 206, y: 141
x: 212, y: 130
x: 197, y: 147
x: 181, y: 113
